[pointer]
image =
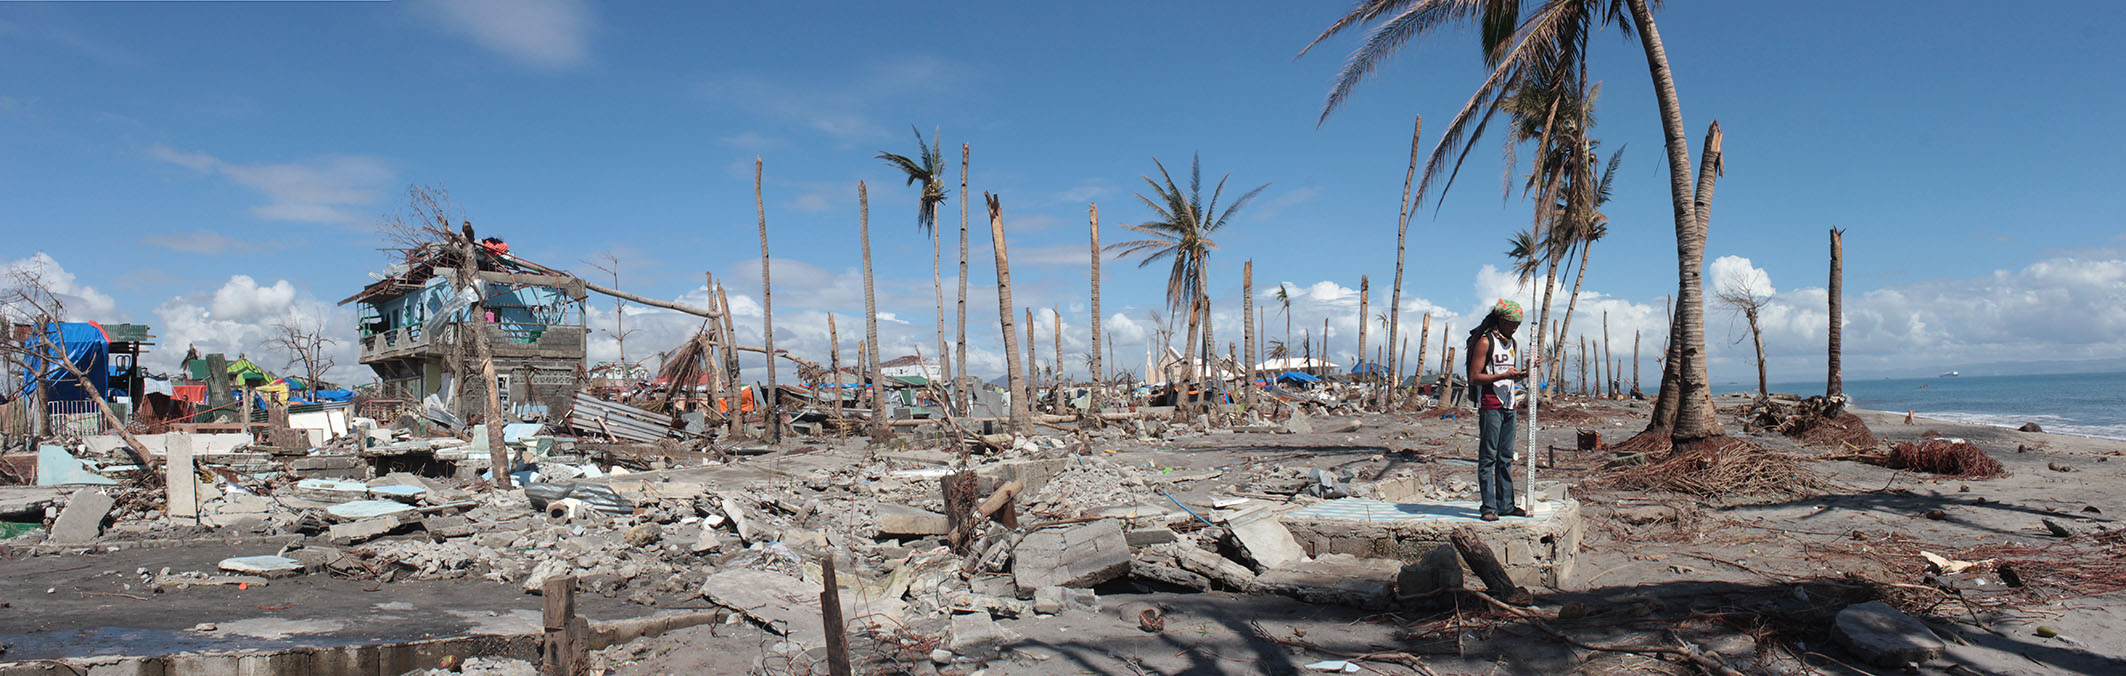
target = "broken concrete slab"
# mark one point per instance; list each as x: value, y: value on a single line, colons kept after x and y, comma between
x: 739, y: 524
x: 27, y: 503
x: 1264, y: 539
x: 1223, y: 571
x: 1884, y: 637
x: 448, y: 526
x: 363, y: 509
x: 57, y: 467
x: 1337, y: 579
x: 785, y: 605
x: 976, y: 634
x: 263, y: 566
x: 331, y: 490
x: 364, y: 530
x: 1076, y: 556
x: 1298, y: 423
x: 398, y: 493
x: 902, y: 521
x: 82, y: 519
x: 1052, y: 600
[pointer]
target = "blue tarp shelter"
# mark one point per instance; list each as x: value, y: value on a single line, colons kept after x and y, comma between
x: 86, y: 346
x: 1296, y: 377
x: 1369, y: 368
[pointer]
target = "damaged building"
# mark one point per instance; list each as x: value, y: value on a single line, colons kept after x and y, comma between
x: 411, y: 320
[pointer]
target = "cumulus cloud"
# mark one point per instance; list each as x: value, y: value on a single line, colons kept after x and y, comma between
x: 241, y: 318
x: 547, y: 34
x: 78, y: 301
x: 319, y: 190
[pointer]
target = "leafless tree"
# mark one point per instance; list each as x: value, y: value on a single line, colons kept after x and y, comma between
x: 425, y: 221
x: 1741, y: 296
x: 28, y: 299
x: 308, y: 347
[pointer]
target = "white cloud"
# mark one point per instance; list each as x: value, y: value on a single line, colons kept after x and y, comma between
x: 548, y: 34
x: 78, y: 301
x: 241, y: 318
x: 319, y: 190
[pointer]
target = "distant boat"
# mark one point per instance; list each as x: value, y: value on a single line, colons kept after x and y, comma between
x: 1948, y: 374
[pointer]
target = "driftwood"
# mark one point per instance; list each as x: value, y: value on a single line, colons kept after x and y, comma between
x: 1488, y: 569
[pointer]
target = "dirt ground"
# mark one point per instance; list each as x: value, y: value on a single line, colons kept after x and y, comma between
x: 1752, y: 581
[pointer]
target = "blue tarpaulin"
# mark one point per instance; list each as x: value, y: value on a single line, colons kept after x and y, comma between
x: 86, y: 347
x: 1297, y: 377
x: 1369, y: 368
x: 333, y: 395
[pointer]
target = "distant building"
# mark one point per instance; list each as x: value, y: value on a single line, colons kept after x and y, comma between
x: 410, y: 323
x: 911, y: 366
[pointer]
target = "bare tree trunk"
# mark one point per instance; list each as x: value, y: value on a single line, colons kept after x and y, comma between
x: 966, y: 398
x: 1608, y: 386
x: 484, y: 353
x: 1247, y: 321
x: 1395, y: 297
x: 1764, y: 391
x: 1695, y: 419
x: 1033, y: 358
x: 1093, y: 400
x: 878, y: 385
x: 1834, y: 382
x: 1424, y: 336
x: 770, y: 415
x: 834, y: 337
x: 1365, y: 292
x: 1057, y: 386
x: 734, y: 376
x: 1635, y: 362
x: 1188, y: 350
x: 1014, y: 372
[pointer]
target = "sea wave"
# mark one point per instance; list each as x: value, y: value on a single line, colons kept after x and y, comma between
x: 2053, y: 424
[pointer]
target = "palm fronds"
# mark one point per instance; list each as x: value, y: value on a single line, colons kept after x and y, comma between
x: 927, y: 170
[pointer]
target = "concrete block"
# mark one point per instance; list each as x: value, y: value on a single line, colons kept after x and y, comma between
x: 904, y: 521
x: 976, y: 634
x: 1337, y: 579
x: 1140, y: 537
x: 448, y: 526
x: 82, y: 519
x: 1884, y: 637
x: 1264, y: 539
x: 1439, y: 569
x: 322, y: 462
x: 183, y: 492
x: 1075, y: 556
x: 1052, y: 600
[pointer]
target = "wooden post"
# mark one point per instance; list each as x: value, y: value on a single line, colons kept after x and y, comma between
x: 1247, y: 323
x: 1056, y: 388
x: 1033, y: 359
x: 769, y: 415
x: 958, y: 489
x: 830, y: 614
x: 1092, y: 401
x: 1365, y: 292
x: 1608, y: 386
x: 566, y: 634
x: 732, y: 373
x: 1635, y: 362
x: 1424, y: 336
x: 1447, y: 377
x: 1487, y: 568
x: 834, y: 362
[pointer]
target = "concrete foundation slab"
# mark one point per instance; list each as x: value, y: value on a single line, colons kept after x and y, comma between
x: 1540, y: 549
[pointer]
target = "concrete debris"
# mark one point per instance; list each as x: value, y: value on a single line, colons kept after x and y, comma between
x: 1263, y: 539
x: 1438, y: 570
x: 1073, y: 556
x: 1335, y: 579
x: 82, y: 519
x: 903, y: 521
x: 263, y: 566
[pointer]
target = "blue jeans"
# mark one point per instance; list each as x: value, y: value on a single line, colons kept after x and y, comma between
x: 1494, y: 458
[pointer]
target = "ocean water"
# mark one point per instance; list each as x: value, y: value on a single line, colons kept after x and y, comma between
x: 2084, y: 404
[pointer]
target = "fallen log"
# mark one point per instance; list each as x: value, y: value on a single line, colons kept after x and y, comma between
x: 1488, y: 569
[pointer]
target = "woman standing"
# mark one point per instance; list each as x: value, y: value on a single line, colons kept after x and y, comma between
x: 1494, y: 383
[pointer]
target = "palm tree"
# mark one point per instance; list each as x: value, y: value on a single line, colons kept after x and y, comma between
x: 1284, y: 307
x: 1182, y: 232
x: 1551, y: 40
x: 960, y: 314
x: 929, y: 171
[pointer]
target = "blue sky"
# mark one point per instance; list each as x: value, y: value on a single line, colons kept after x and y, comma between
x: 212, y: 167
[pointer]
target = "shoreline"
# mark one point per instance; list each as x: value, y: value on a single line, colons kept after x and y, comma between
x: 1889, y: 426
x: 1897, y: 417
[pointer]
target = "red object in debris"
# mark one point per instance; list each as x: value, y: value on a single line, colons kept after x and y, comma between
x: 196, y: 394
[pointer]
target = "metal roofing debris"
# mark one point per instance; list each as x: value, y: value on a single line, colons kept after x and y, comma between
x: 594, y: 415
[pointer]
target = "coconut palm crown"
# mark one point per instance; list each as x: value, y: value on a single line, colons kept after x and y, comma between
x: 927, y: 169
x: 1182, y: 230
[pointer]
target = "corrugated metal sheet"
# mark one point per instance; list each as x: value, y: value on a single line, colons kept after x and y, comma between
x: 592, y: 415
